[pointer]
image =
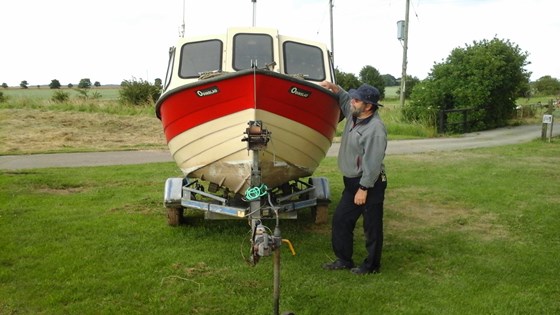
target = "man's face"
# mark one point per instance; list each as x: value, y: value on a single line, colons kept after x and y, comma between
x: 358, y: 107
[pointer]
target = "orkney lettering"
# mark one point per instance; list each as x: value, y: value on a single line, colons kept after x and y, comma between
x: 207, y: 92
x: 299, y: 92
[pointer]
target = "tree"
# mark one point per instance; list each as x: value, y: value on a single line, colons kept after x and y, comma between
x: 389, y: 80
x: 371, y: 76
x: 346, y: 80
x: 410, y: 83
x: 547, y: 86
x: 55, y: 84
x: 24, y: 84
x: 97, y: 84
x: 70, y: 85
x: 157, y: 82
x: 486, y: 76
x: 84, y: 84
x: 4, y: 85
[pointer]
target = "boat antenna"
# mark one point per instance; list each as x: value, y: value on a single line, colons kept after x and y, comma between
x: 254, y: 12
x: 182, y: 28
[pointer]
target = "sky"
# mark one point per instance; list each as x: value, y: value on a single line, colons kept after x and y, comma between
x: 114, y: 40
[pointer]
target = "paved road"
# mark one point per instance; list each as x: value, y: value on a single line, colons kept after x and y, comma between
x: 497, y: 137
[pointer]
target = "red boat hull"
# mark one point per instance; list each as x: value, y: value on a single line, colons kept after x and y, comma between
x: 204, y: 123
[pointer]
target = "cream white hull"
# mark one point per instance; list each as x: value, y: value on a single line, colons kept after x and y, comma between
x: 214, y: 151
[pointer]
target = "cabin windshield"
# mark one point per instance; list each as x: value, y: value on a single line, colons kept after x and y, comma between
x: 249, y: 49
x: 304, y: 59
x: 199, y: 57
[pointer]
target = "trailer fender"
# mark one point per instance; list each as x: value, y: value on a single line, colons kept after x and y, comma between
x: 322, y: 190
x: 173, y: 193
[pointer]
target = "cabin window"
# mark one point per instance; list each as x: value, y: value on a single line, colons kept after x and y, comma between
x: 249, y: 49
x: 304, y: 59
x: 199, y: 57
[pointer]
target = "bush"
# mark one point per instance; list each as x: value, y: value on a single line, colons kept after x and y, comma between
x: 485, y: 77
x: 138, y: 92
x: 84, y: 94
x: 410, y: 84
x: 527, y: 111
x: 60, y: 97
x: 2, y: 97
x: 426, y: 115
x: 547, y: 85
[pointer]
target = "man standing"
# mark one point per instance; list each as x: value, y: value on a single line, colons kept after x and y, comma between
x: 360, y: 159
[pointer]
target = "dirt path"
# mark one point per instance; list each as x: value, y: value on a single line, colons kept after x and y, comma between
x: 497, y: 137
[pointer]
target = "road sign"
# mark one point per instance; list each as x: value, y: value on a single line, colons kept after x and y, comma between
x: 547, y: 119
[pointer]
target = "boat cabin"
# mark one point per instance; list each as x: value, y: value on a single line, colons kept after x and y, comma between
x: 195, y: 58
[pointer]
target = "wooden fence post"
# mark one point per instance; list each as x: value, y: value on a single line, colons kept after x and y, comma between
x: 547, y: 120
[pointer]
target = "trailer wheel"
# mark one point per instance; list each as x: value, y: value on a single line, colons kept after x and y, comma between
x: 322, y: 194
x: 175, y: 216
x: 320, y: 213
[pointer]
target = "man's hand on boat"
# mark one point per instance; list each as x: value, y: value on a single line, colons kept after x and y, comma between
x: 330, y: 86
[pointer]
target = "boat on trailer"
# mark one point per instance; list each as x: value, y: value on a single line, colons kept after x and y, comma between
x: 246, y: 102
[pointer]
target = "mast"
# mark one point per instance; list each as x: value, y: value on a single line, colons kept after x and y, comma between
x: 254, y: 12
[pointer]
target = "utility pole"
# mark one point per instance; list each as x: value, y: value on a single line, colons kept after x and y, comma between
x: 182, y: 28
x: 332, y: 36
x: 405, y: 48
x: 254, y: 12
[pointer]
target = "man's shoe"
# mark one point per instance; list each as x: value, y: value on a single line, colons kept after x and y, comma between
x: 363, y: 271
x: 337, y: 265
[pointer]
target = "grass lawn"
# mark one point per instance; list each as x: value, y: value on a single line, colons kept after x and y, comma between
x: 467, y: 232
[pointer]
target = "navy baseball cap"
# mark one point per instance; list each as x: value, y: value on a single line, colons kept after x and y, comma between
x: 367, y: 94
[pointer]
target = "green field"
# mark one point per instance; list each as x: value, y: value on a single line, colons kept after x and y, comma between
x: 467, y: 232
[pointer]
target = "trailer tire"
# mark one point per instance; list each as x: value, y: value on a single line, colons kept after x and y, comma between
x: 175, y: 216
x: 321, y: 213
x: 322, y: 195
